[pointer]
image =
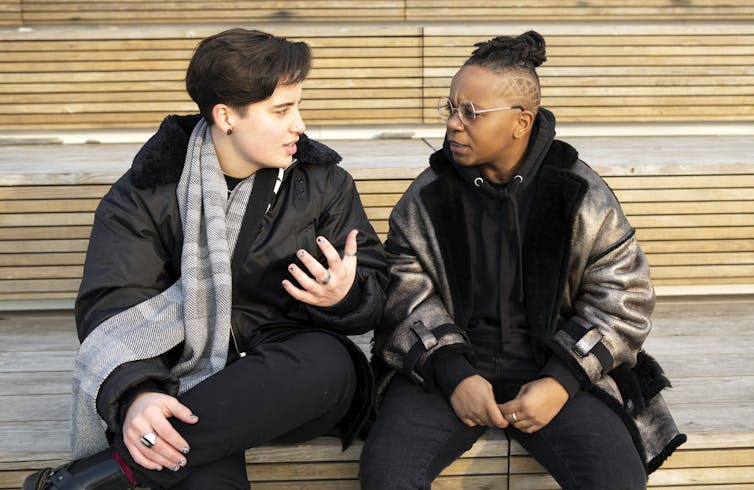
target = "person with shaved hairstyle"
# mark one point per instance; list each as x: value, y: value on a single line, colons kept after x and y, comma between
x: 519, y: 299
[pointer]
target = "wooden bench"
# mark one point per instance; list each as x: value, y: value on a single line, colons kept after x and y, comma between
x: 129, y: 77
x: 706, y: 346
x: 388, y: 74
x: 690, y: 198
x: 188, y: 11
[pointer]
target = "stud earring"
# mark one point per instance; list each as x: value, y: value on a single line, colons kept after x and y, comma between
x: 229, y: 131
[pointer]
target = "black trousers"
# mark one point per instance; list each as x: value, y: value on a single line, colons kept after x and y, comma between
x: 292, y: 390
x: 417, y: 434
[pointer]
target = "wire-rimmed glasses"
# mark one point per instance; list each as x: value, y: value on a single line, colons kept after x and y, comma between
x: 466, y: 111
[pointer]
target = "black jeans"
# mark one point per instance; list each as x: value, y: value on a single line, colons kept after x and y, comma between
x: 293, y: 391
x: 417, y: 434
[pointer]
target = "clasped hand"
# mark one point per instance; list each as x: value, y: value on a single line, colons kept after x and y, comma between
x: 535, y: 405
x: 324, y: 286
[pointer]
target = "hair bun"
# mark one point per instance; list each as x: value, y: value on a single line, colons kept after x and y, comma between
x: 532, y: 48
x: 528, y: 50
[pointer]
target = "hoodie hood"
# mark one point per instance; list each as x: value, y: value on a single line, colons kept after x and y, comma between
x: 160, y: 161
x: 513, y: 193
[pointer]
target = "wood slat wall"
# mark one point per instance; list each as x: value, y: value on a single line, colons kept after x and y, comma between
x: 94, y: 78
x: 695, y: 229
x: 386, y: 74
x: 191, y: 11
x: 561, y: 10
x: 619, y: 73
x: 10, y: 13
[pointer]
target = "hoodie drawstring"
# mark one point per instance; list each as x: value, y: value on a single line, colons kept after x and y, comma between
x: 508, y: 194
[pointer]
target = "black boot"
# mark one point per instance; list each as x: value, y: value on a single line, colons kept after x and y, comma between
x: 106, y: 475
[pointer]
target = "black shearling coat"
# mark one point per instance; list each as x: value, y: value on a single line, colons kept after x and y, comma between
x: 135, y: 250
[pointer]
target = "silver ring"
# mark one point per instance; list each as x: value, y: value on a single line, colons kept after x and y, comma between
x: 513, y: 416
x: 149, y: 439
x: 326, y: 279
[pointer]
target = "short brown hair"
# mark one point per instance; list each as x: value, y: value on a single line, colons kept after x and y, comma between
x: 239, y: 66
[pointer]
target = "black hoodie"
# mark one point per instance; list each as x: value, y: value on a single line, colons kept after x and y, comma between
x: 496, y: 215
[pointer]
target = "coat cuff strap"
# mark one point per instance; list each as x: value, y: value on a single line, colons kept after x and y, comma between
x: 589, y: 341
x: 428, y: 339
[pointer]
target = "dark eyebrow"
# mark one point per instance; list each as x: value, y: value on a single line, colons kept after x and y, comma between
x: 287, y: 104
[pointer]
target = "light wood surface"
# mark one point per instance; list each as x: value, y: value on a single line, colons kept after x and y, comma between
x: 187, y: 11
x: 705, y: 345
x: 691, y: 200
x: 80, y: 77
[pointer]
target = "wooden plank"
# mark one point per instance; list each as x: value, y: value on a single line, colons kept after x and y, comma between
x: 717, y: 476
x: 38, y: 299
x: 703, y: 271
x: 687, y: 207
x: 40, y: 259
x: 708, y: 258
x: 694, y: 220
x: 46, y: 232
x: 36, y: 408
x: 53, y: 192
x: 46, y: 219
x: 10, y: 13
x: 45, y: 206
x: 10, y: 286
x: 719, y: 232
x: 42, y: 246
x: 47, y: 383
x: 601, y: 10
x: 699, y: 246
x: 51, y: 361
x: 41, y: 272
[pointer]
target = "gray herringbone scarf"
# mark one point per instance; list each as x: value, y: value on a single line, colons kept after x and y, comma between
x: 194, y: 310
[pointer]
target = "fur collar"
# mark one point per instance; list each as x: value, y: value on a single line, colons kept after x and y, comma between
x: 546, y: 247
x: 160, y: 161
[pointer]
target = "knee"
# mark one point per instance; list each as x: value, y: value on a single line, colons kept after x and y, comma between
x: 381, y: 467
x: 329, y: 366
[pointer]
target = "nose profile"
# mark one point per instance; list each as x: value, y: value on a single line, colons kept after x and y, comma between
x: 298, y: 125
x: 454, y: 121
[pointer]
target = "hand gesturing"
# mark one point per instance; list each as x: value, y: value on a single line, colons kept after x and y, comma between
x: 331, y: 284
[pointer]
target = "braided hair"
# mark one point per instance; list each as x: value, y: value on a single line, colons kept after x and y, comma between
x: 516, y: 58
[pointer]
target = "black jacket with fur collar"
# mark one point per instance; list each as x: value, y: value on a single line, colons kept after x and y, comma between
x: 135, y: 249
x: 588, y: 295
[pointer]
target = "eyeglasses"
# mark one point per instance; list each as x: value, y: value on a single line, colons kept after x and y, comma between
x: 466, y: 111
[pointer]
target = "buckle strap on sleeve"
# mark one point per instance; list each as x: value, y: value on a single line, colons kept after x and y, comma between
x: 589, y: 341
x: 427, y: 341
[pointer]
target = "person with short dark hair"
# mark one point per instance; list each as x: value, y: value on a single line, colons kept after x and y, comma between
x: 225, y: 271
x: 519, y: 299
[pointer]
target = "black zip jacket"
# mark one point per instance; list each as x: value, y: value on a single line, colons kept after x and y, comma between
x: 135, y: 249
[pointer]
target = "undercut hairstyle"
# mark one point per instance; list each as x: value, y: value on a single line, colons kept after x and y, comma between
x: 238, y: 67
x: 516, y: 58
